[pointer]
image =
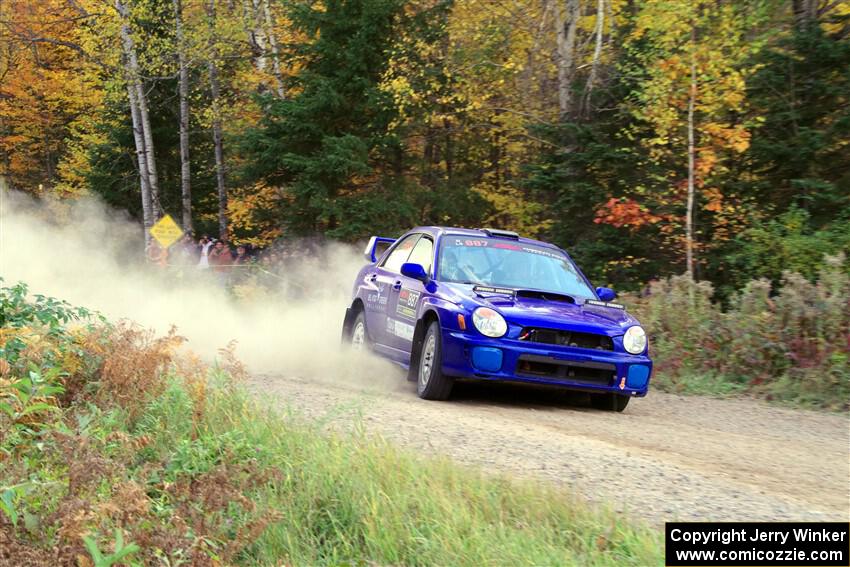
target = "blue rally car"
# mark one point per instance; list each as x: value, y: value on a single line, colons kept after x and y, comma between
x: 453, y: 303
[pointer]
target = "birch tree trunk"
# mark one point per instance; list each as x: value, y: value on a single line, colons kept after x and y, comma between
x: 275, y: 50
x: 566, y: 24
x: 185, y: 164
x: 216, y: 124
x: 689, y: 214
x: 131, y: 73
x: 142, y: 105
x: 597, y: 52
x: 258, y: 19
x: 153, y: 179
x: 256, y: 33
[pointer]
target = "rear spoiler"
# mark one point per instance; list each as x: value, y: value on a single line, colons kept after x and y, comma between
x: 373, y: 245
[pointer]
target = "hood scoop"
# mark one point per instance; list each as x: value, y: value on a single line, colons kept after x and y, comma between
x: 510, y: 293
x: 545, y: 295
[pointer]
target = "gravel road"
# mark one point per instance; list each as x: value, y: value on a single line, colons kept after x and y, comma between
x: 666, y: 457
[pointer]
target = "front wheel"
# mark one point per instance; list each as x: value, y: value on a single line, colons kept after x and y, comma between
x: 431, y: 383
x: 358, y: 339
x: 609, y: 402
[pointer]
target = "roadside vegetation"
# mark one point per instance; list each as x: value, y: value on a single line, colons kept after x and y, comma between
x: 789, y: 343
x: 117, y: 447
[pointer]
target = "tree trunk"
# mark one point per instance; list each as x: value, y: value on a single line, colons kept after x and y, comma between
x: 216, y: 125
x: 149, y: 148
x: 269, y: 22
x: 447, y: 130
x: 185, y: 164
x: 689, y: 214
x: 256, y: 33
x: 566, y: 24
x: 805, y: 13
x: 142, y: 105
x: 131, y: 72
x: 141, y: 160
x: 597, y: 51
x: 4, y: 161
x: 5, y: 185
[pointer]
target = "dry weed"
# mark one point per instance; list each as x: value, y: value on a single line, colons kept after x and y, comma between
x: 134, y: 365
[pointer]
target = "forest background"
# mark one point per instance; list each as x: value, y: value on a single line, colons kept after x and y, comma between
x: 647, y: 137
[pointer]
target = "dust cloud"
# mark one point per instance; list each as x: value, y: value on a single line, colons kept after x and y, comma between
x: 91, y: 256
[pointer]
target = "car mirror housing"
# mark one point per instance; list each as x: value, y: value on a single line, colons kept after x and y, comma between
x: 606, y: 293
x: 415, y: 271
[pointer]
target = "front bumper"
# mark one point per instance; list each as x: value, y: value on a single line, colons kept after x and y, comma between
x: 472, y: 356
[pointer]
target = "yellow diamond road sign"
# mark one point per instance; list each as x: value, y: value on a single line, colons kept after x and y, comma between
x: 166, y: 231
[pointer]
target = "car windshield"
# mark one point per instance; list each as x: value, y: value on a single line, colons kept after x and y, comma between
x: 500, y: 263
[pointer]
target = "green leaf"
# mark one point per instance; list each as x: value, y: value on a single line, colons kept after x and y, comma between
x: 7, y: 505
x: 37, y: 407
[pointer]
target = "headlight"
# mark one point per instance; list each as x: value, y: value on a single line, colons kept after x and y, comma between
x: 489, y: 322
x: 634, y: 340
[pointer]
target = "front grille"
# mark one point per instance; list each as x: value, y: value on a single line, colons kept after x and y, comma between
x: 566, y: 338
x: 582, y: 372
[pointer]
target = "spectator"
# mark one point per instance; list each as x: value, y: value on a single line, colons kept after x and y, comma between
x: 221, y: 260
x: 156, y: 254
x: 241, y: 256
x: 205, y: 244
x: 185, y: 251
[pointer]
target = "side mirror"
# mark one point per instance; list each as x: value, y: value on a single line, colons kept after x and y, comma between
x: 606, y: 294
x: 415, y: 271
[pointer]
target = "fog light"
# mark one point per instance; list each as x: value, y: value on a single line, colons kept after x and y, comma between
x: 488, y: 359
x: 638, y: 376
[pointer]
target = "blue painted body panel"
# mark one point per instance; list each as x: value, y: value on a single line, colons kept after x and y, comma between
x: 394, y: 305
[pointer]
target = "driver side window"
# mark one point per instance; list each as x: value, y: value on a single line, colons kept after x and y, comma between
x: 423, y: 253
x: 400, y: 253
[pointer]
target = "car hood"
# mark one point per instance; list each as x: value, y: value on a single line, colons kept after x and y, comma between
x: 552, y: 313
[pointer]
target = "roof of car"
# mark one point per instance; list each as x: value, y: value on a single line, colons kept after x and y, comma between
x: 477, y: 232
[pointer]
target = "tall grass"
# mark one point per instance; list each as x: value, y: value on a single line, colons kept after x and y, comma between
x: 130, y: 451
x: 791, y: 343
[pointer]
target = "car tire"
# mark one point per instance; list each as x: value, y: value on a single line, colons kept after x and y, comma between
x: 609, y: 402
x: 358, y: 337
x: 431, y: 383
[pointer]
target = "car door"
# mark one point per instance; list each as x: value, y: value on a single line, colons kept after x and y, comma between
x: 406, y: 295
x: 384, y: 278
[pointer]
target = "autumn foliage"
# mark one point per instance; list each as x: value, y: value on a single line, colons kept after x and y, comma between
x: 578, y: 121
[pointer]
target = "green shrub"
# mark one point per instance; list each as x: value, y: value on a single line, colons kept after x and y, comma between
x: 785, y: 243
x: 791, y: 344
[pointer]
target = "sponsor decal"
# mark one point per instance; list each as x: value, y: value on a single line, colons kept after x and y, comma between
x: 376, y: 301
x: 400, y: 329
x: 377, y: 298
x: 407, y: 300
x: 540, y: 252
x: 473, y: 242
x: 605, y: 304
